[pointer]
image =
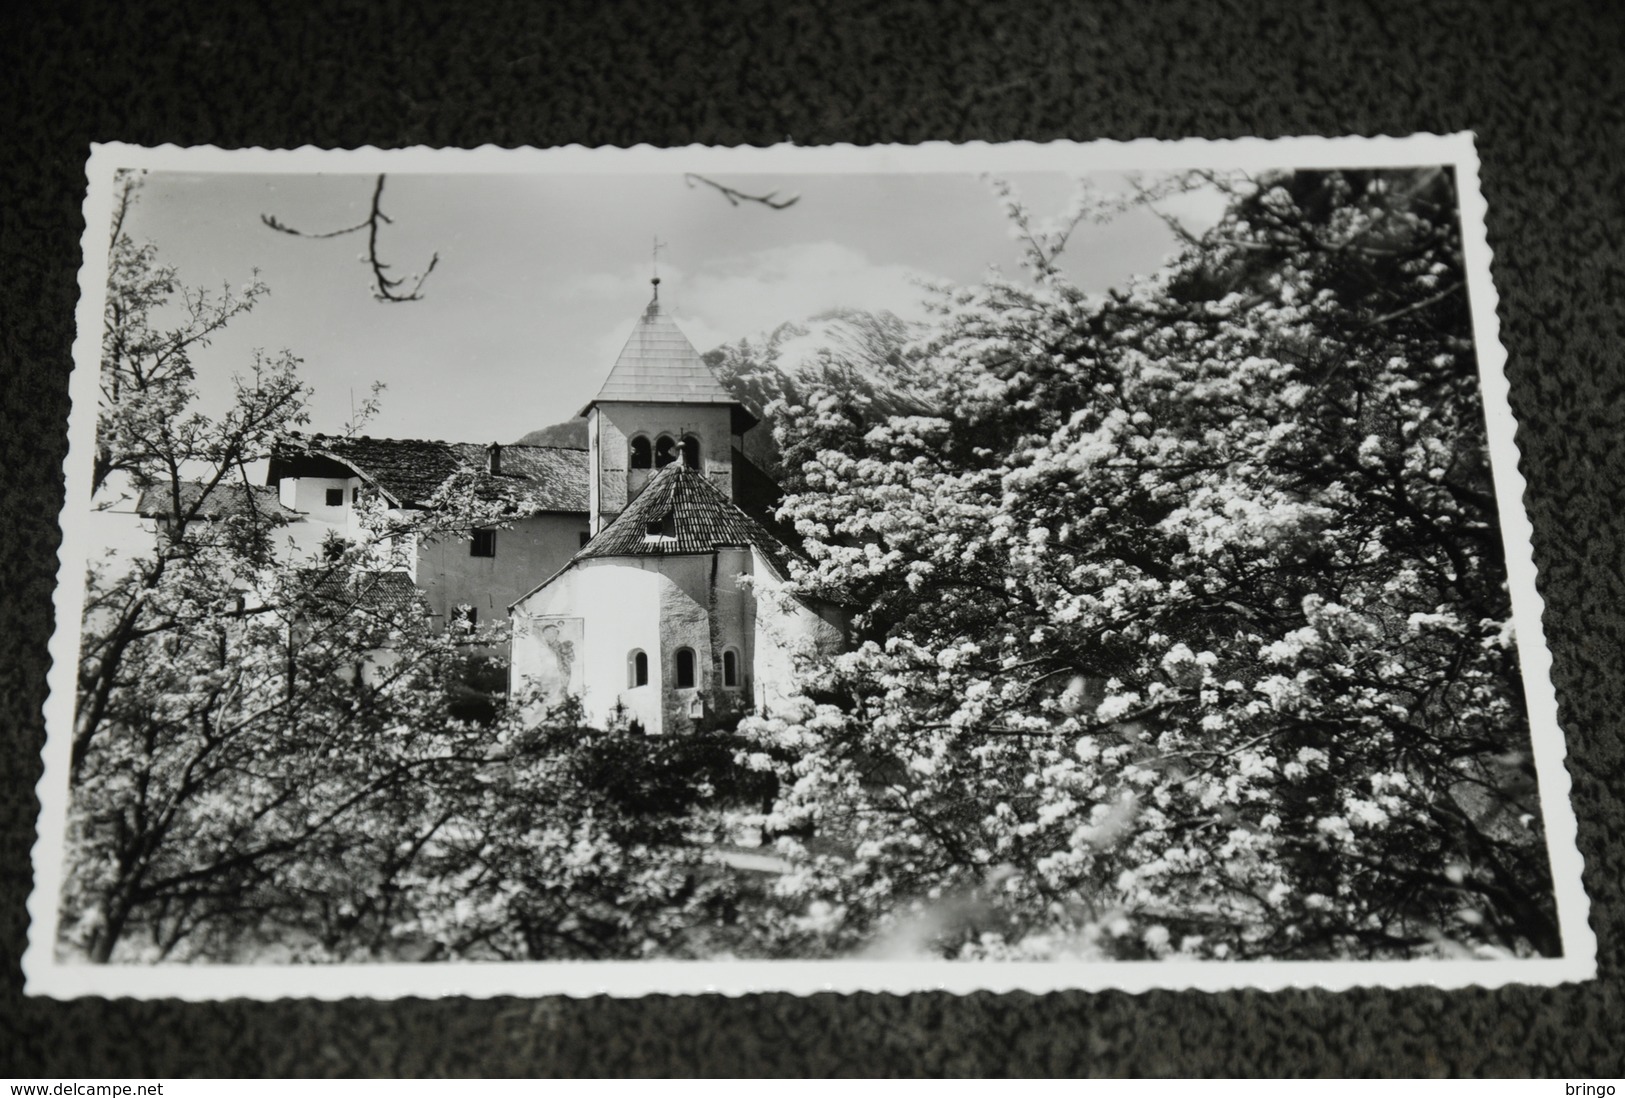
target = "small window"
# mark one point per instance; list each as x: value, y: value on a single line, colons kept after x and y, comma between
x: 484, y: 544
x: 466, y: 616
x: 691, y: 451
x: 637, y: 668
x: 663, y: 527
x: 665, y: 451
x: 335, y: 497
x: 730, y: 669
x: 642, y: 453
x: 685, y: 668
x: 355, y: 495
x: 584, y: 537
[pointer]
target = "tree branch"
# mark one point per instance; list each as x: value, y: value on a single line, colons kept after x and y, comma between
x: 385, y: 288
x: 771, y: 199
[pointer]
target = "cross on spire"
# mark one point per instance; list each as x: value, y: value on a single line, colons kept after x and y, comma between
x: 654, y: 264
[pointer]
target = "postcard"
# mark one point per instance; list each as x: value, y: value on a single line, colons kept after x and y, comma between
x: 968, y: 567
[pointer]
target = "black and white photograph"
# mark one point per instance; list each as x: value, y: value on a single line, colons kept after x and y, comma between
x: 953, y: 566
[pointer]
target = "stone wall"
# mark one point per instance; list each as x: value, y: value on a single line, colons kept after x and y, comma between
x: 613, y: 424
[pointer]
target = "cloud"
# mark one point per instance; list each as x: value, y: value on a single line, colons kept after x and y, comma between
x: 721, y: 301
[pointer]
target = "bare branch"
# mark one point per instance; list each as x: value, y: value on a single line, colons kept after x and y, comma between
x: 270, y: 221
x: 771, y: 199
x: 385, y: 288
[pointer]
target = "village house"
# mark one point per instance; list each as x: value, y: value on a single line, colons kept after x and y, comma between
x: 471, y: 577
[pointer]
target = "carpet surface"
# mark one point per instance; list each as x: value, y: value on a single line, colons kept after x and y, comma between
x: 1541, y: 84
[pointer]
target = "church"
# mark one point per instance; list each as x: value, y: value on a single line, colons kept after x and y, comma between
x: 644, y: 577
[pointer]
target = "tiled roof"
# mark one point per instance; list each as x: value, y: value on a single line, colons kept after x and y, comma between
x: 410, y: 471
x: 659, y: 365
x: 693, y: 516
x: 225, y: 499
x: 553, y: 478
x: 382, y: 593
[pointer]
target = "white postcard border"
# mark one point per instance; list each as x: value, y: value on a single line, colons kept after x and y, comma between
x: 46, y: 976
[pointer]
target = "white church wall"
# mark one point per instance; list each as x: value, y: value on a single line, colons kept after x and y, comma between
x: 685, y: 622
x: 620, y: 606
x: 657, y: 605
x: 733, y: 615
x: 786, y: 629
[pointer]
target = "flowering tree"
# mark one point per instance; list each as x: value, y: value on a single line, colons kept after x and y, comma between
x: 1182, y: 622
x: 270, y: 751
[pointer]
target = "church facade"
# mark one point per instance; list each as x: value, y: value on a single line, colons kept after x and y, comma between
x: 644, y: 578
x: 674, y: 611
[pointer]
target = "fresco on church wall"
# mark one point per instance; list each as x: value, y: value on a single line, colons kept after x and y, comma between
x: 555, y: 649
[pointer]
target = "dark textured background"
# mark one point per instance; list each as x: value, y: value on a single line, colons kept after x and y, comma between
x: 1541, y: 83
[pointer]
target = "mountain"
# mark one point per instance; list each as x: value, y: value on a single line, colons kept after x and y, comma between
x: 571, y: 434
x: 848, y: 351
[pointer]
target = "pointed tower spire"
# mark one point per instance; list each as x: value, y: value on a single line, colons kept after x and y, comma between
x: 659, y: 365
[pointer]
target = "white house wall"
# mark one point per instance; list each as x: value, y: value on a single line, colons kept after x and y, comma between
x: 309, y: 495
x: 529, y: 551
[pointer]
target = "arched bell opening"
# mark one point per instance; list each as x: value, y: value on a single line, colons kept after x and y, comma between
x: 640, y: 453
x: 665, y: 451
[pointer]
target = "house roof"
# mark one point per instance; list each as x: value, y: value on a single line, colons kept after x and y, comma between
x: 411, y: 471
x: 227, y: 499
x: 383, y: 594
x: 659, y: 365
x: 553, y: 478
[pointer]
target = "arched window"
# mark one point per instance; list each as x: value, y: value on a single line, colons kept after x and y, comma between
x: 665, y: 451
x: 685, y: 668
x: 637, y: 668
x: 642, y: 455
x: 730, y: 669
x: 691, y: 451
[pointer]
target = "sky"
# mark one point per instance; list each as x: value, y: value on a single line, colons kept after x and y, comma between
x: 541, y: 278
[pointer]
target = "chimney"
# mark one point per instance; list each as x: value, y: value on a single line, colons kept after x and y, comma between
x: 493, y: 459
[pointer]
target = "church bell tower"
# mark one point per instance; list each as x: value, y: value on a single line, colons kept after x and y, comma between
x: 660, y: 404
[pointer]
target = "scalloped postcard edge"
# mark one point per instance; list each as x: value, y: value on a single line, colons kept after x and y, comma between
x: 46, y: 975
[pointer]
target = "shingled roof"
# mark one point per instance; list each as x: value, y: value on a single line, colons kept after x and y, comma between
x: 690, y: 515
x: 659, y: 365
x: 224, y: 500
x: 377, y: 594
x: 410, y: 471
